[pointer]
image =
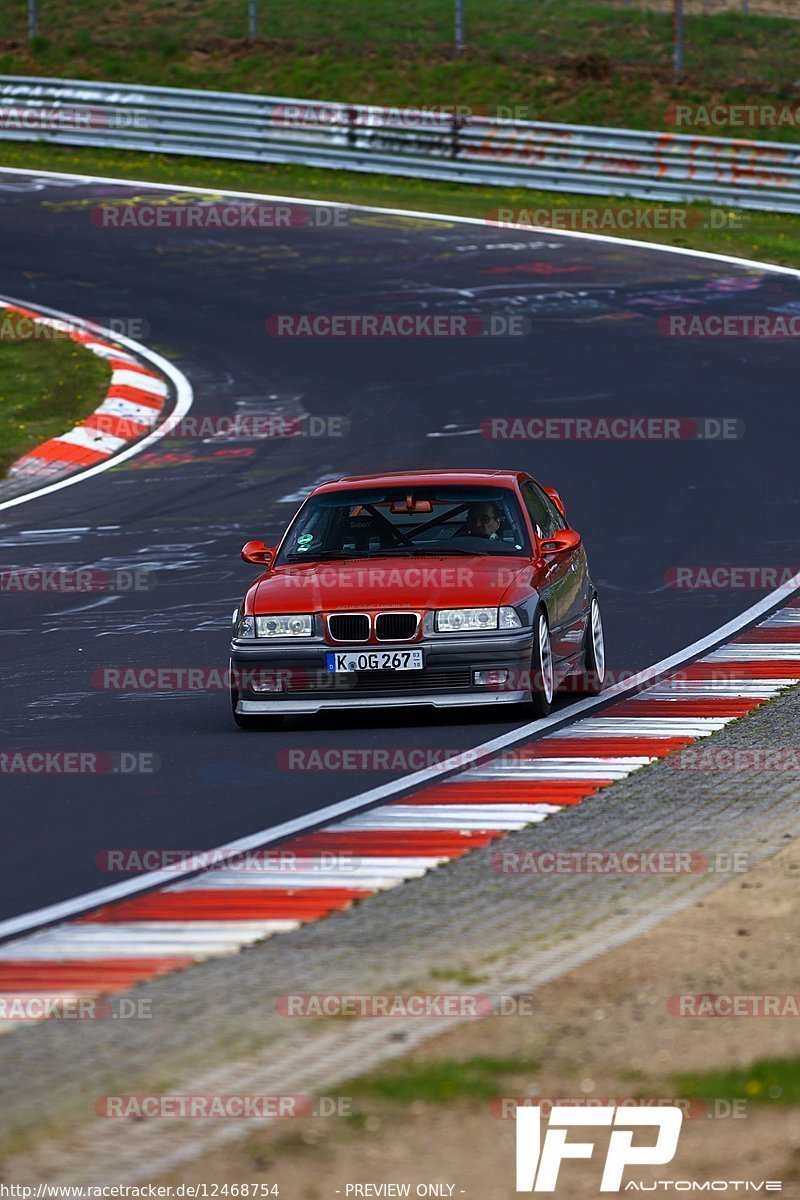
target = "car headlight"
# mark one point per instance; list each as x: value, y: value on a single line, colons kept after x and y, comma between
x: 457, y: 620
x: 294, y: 625
x: 454, y: 620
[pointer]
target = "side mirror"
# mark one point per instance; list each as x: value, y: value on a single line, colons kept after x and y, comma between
x: 258, y: 553
x: 561, y: 542
x: 554, y: 496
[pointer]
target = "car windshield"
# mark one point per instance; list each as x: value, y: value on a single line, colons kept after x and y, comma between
x: 407, y: 522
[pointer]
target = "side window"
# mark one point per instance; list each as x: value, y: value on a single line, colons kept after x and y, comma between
x: 543, y: 513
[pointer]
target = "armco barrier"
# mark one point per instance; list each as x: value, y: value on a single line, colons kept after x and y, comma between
x: 437, y: 145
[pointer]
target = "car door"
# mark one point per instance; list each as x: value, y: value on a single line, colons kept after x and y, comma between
x: 562, y: 581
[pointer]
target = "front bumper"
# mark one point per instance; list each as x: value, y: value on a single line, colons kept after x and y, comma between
x: 446, y: 681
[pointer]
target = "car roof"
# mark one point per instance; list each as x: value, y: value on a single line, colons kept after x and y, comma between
x: 399, y: 479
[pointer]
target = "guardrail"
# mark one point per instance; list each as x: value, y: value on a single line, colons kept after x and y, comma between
x: 428, y: 144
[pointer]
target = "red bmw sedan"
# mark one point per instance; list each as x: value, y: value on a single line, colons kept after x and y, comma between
x: 440, y: 588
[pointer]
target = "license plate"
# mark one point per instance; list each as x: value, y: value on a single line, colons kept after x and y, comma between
x: 374, y: 660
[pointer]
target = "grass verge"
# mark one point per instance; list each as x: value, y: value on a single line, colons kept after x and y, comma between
x: 767, y: 1081
x: 47, y: 385
x: 441, y: 1080
x: 771, y: 237
x: 590, y: 61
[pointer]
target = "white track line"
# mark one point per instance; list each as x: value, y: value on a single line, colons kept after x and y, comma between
x: 142, y: 939
x: 785, y: 620
x: 756, y: 652
x: 445, y: 816
x: 371, y: 879
x: 539, y: 769
x: 707, y: 689
x: 693, y: 727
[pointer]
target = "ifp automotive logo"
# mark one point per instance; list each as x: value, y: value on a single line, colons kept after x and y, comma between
x: 539, y: 1160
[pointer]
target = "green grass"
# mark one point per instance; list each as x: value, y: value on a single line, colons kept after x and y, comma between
x: 590, y: 61
x: 771, y: 237
x: 46, y: 386
x: 441, y: 1081
x: 767, y: 1081
x: 462, y: 975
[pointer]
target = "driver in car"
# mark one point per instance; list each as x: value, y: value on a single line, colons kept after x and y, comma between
x: 484, y: 520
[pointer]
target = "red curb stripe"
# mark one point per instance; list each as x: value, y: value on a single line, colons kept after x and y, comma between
x: 398, y: 843
x: 508, y: 791
x: 31, y: 974
x: 602, y: 747
x: 776, y: 634
x: 124, y: 364
x: 57, y: 458
x: 123, y: 391
x: 727, y: 706
x: 779, y: 668
x: 68, y: 452
x: 245, y: 905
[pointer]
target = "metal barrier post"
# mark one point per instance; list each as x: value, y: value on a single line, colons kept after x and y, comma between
x: 678, y: 49
x: 460, y: 36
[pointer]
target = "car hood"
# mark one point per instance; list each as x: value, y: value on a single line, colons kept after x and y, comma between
x: 447, y: 581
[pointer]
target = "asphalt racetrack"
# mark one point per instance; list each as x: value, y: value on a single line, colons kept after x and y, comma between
x: 181, y: 511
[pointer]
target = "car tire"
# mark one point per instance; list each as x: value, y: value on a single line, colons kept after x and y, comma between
x: 589, y: 682
x: 542, y: 676
x: 246, y: 721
